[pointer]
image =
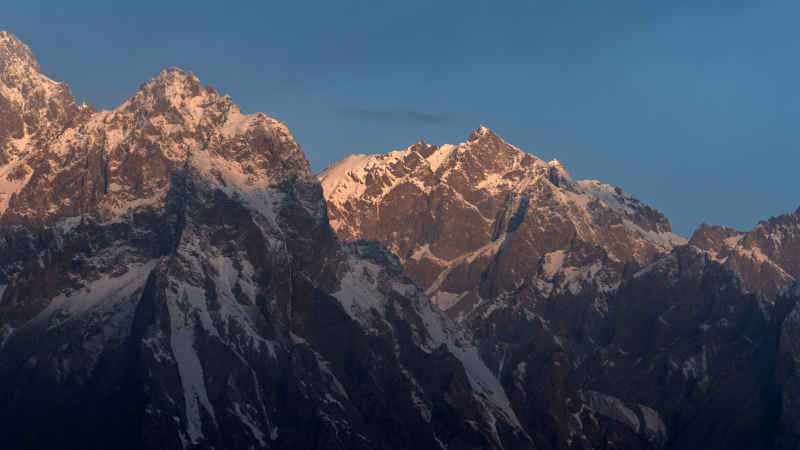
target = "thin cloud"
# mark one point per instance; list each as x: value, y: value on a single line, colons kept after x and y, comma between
x: 396, y: 115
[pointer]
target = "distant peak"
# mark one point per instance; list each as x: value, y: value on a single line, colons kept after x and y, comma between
x: 14, y: 53
x: 172, y: 84
x: 555, y: 163
x: 481, y: 132
x: 176, y: 78
x: 175, y: 72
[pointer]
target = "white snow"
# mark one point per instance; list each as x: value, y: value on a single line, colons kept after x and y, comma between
x: 248, y: 421
x: 554, y: 261
x: 5, y: 332
x: 654, y: 427
x: 665, y: 240
x: 611, y: 407
x: 233, y: 314
x: 342, y: 181
x: 659, y: 264
x: 254, y: 189
x: 361, y: 299
x: 443, y: 331
x: 107, y: 290
x: 182, y: 307
x: 755, y: 253
x: 520, y: 374
x: 345, y: 180
x: 9, y: 187
x: 437, y: 158
x: 446, y: 299
x: 734, y: 240
x: 21, y: 67
x: 489, y: 249
x: 324, y: 367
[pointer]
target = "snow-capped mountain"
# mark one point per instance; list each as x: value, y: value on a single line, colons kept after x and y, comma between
x: 765, y: 258
x: 481, y: 219
x: 169, y: 279
x: 605, y: 329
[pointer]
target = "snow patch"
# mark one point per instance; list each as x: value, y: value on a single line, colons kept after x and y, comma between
x: 106, y: 290
x: 182, y: 307
x: 442, y: 154
x: 445, y: 299
x: 654, y: 427
x: 254, y: 189
x: 343, y: 180
x: 251, y: 424
x: 11, y: 183
x: 554, y: 261
x: 358, y: 294
x: 665, y: 240
x: 611, y: 407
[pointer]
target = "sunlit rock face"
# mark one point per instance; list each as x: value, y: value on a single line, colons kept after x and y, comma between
x: 476, y: 221
x: 605, y: 329
x: 765, y: 258
x: 169, y: 279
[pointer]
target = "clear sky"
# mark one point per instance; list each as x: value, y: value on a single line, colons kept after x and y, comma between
x: 691, y: 107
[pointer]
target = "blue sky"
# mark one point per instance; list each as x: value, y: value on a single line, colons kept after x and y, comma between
x: 691, y: 107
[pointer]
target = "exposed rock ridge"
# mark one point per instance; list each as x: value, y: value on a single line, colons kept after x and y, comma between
x: 32, y: 108
x: 453, y: 213
x: 169, y: 279
x: 765, y: 258
x: 131, y: 150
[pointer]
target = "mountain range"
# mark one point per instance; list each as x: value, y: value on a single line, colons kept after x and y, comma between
x: 172, y: 275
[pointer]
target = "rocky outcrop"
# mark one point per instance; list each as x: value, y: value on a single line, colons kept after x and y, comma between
x: 606, y: 330
x: 31, y: 105
x: 787, y: 373
x: 476, y: 221
x: 169, y: 279
x: 765, y: 258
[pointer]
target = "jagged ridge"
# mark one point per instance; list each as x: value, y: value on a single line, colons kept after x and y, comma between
x: 451, y: 213
x: 170, y: 265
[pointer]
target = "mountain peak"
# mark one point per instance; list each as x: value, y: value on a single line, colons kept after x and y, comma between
x: 180, y: 98
x: 15, y: 54
x: 172, y: 83
x: 172, y: 75
x: 481, y: 132
x: 29, y: 100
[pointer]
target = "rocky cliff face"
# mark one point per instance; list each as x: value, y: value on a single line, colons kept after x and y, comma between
x: 765, y: 258
x: 33, y: 109
x: 169, y: 279
x: 787, y: 371
x: 605, y: 329
x: 479, y: 220
x: 679, y: 356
